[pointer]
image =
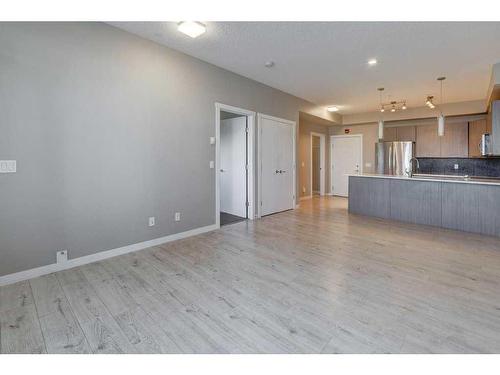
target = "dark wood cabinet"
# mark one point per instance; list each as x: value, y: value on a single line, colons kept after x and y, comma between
x: 427, y: 141
x: 399, y: 133
x: 390, y: 134
x: 454, y: 143
x: 476, y: 130
x: 406, y: 133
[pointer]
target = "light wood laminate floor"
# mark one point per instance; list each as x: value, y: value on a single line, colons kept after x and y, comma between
x: 312, y: 280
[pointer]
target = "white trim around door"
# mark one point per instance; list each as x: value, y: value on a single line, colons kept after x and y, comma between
x: 250, y: 158
x: 260, y: 117
x: 332, y: 162
x: 322, y: 158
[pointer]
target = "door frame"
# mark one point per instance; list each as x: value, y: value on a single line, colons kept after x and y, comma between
x: 250, y: 157
x: 332, y: 162
x: 322, y: 160
x: 260, y: 117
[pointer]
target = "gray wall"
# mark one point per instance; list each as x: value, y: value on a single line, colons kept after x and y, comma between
x: 108, y: 129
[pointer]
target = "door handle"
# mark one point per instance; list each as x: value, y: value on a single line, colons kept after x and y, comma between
x: 277, y: 171
x: 222, y: 170
x: 282, y: 171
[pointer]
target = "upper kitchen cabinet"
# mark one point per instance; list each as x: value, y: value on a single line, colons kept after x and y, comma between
x: 428, y: 142
x: 476, y: 130
x: 455, y: 142
x: 406, y: 133
x: 390, y: 134
x: 399, y: 133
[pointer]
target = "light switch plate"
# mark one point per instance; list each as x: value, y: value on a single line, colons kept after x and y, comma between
x: 177, y: 216
x: 455, y: 166
x: 151, y: 221
x: 212, y: 164
x: 8, y: 166
x: 212, y: 140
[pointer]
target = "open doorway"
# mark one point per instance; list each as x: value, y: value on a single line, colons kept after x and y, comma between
x: 234, y: 165
x: 317, y: 164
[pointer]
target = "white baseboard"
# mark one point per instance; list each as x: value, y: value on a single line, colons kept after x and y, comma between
x: 45, y: 270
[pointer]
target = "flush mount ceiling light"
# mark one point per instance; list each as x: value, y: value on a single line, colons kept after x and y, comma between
x: 269, y: 64
x: 332, y: 109
x: 191, y: 28
x: 372, y: 62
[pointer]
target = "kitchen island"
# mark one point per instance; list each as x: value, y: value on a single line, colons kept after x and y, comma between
x: 471, y: 205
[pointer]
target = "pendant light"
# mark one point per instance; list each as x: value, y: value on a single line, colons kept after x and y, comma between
x: 441, y: 116
x: 381, y: 121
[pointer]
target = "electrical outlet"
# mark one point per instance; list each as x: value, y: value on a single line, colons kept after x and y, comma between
x: 151, y: 221
x: 8, y: 166
x: 455, y: 166
x: 177, y: 216
x: 62, y: 256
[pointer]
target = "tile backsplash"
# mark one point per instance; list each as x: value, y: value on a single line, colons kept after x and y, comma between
x: 484, y: 167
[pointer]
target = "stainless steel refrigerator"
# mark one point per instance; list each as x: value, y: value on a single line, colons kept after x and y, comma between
x: 394, y: 158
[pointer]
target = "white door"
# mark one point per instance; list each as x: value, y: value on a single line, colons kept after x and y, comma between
x: 346, y: 155
x: 277, y: 166
x: 233, y: 154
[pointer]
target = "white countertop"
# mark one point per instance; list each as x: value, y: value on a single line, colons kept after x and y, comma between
x: 480, y: 181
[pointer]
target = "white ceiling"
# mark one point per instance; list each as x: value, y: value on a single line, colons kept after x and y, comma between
x: 325, y: 62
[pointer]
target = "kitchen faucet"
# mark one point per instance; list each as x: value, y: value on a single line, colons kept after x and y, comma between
x: 410, y: 173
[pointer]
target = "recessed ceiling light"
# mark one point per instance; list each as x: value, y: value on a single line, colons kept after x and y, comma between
x: 372, y: 62
x: 332, y: 109
x: 191, y: 28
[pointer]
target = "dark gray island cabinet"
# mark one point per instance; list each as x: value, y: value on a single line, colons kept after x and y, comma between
x: 462, y: 205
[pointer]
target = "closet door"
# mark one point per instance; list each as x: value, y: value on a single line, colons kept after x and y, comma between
x: 277, y: 165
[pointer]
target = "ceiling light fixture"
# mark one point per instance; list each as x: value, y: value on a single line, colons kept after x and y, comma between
x: 269, y: 64
x: 372, y: 62
x: 332, y: 109
x: 441, y: 116
x: 191, y: 28
x: 381, y: 121
x: 393, y: 105
x: 429, y: 102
